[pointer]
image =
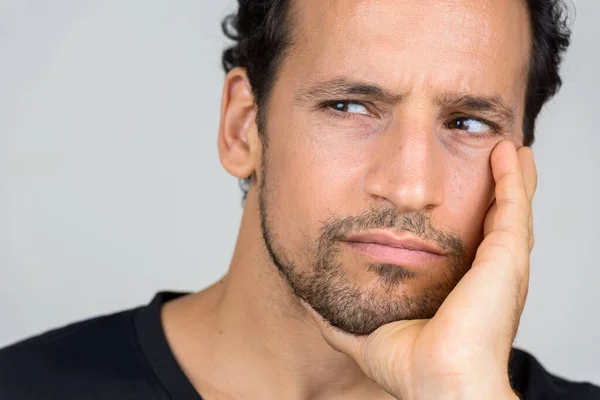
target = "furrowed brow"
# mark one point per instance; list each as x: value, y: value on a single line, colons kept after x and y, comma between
x: 343, y: 88
x: 489, y: 104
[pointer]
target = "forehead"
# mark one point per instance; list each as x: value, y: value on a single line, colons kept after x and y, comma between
x: 480, y: 45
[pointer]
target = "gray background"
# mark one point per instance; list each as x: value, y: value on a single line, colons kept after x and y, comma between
x: 111, y: 189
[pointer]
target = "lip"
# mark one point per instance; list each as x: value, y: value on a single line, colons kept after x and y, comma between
x: 388, y: 248
x: 391, y: 240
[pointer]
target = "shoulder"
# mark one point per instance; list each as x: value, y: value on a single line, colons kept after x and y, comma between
x: 532, y: 381
x: 93, y: 356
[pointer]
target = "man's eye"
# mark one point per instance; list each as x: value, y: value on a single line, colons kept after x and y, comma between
x: 469, y: 125
x: 349, y: 107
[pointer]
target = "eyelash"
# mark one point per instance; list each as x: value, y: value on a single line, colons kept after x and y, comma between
x: 328, y: 106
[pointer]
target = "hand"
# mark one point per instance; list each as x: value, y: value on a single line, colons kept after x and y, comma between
x: 463, y: 351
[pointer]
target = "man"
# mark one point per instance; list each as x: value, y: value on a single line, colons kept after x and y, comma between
x: 384, y: 246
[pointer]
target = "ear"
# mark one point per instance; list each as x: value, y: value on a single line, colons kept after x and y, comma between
x: 238, y: 133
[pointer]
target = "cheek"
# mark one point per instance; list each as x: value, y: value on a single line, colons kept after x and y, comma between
x: 469, y: 195
x: 317, y: 162
x: 310, y: 176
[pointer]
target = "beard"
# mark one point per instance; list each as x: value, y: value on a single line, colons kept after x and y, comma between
x: 324, y: 285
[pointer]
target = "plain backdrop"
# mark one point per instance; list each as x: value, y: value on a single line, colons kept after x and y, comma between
x: 111, y: 188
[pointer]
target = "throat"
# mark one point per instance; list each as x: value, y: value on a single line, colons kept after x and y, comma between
x: 265, y: 338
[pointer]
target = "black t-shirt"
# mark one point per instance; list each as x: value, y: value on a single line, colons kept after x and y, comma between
x: 125, y: 356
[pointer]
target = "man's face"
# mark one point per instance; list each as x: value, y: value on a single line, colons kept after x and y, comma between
x: 378, y: 136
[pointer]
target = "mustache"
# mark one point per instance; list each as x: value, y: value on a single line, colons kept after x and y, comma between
x: 417, y: 223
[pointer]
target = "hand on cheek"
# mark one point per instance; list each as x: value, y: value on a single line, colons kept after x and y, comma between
x: 464, y: 349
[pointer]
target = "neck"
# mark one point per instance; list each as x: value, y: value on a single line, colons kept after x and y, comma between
x: 248, y: 336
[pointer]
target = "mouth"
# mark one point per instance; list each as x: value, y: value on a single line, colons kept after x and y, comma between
x: 386, y: 248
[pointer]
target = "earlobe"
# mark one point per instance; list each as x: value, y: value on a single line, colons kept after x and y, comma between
x: 237, y: 131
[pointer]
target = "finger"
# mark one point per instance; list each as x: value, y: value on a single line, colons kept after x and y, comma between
x: 531, y: 233
x: 530, y: 177
x: 493, y: 290
x: 488, y: 223
x: 529, y: 170
x: 512, y: 201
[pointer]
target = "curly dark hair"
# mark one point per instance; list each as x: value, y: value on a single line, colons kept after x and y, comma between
x: 261, y: 30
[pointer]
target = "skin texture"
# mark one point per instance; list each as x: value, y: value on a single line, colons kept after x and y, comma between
x: 396, y: 155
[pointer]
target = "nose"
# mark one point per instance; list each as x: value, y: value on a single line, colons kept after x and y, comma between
x: 407, y: 169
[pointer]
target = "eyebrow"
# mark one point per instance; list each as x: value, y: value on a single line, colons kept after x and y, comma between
x: 341, y: 88
x: 490, y: 104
